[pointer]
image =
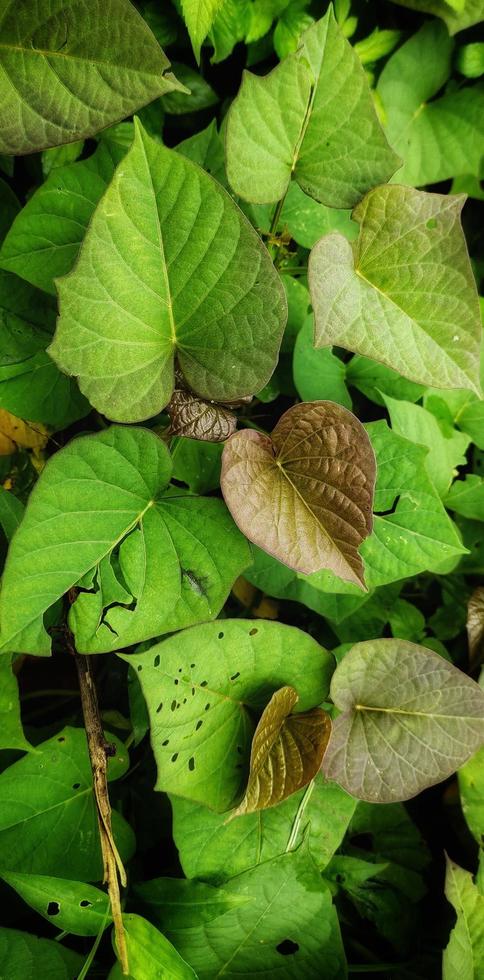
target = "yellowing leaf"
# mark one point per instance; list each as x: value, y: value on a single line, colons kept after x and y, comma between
x: 287, y: 751
x: 17, y: 434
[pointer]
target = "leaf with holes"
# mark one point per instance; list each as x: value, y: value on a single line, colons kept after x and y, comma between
x: 204, y: 688
x: 169, y: 265
x: 69, y: 905
x: 71, y: 70
x: 26, y: 957
x: 311, y: 118
x: 286, y: 753
x: 147, y: 558
x: 57, y: 826
x: 305, y: 493
x: 409, y: 719
x: 197, y: 419
x: 464, y: 953
x: 365, y: 296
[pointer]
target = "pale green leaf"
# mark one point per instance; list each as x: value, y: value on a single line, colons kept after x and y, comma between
x: 202, y: 687
x: 11, y: 731
x: 199, y: 16
x: 206, y: 148
x: 464, y: 955
x: 375, y: 380
x: 69, y: 905
x: 183, y: 273
x: 365, y: 297
x: 312, y: 118
x: 150, y: 954
x: 197, y: 464
x: 48, y: 816
x: 26, y: 957
x: 318, y: 373
x: 59, y: 156
x: 408, y: 720
x: 466, y: 497
x: 71, y: 70
x: 470, y: 59
x: 150, y: 559
x: 307, y: 220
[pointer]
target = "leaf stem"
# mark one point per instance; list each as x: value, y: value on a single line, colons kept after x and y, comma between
x: 277, y: 214
x: 99, y: 752
x: 299, y: 815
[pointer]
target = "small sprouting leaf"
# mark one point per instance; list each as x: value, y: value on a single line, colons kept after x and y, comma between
x: 364, y: 296
x: 199, y: 16
x: 183, y: 273
x: 96, y: 70
x: 305, y: 493
x: 311, y: 118
x: 69, y: 905
x: 26, y: 957
x: 463, y: 957
x: 11, y: 731
x: 286, y: 752
x: 150, y: 954
x: 475, y: 624
x: 195, y: 418
x: 202, y: 688
x: 149, y: 559
x: 409, y: 719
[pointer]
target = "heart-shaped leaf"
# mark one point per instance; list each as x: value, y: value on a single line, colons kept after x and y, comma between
x: 305, y: 493
x: 312, y: 118
x: 404, y: 293
x: 203, y: 688
x: 97, y: 67
x: 169, y: 265
x: 286, y: 752
x: 409, y: 719
x: 195, y: 418
x: 148, y: 559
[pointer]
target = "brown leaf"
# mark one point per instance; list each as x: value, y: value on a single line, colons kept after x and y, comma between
x: 195, y: 418
x: 306, y: 494
x: 287, y: 751
x: 15, y: 434
x: 475, y: 626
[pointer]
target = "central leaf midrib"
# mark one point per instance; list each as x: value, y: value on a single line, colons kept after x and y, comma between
x: 418, y: 714
x: 74, y: 58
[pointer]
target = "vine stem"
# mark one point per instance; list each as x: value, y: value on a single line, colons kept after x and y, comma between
x: 99, y: 752
x: 299, y: 815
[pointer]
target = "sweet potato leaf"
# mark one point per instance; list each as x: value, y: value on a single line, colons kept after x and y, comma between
x: 150, y: 953
x: 69, y: 905
x: 28, y: 957
x: 11, y: 731
x: 464, y: 954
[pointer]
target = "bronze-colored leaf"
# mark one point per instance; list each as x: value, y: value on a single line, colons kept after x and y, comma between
x: 475, y: 626
x: 287, y: 751
x: 195, y: 418
x: 305, y: 494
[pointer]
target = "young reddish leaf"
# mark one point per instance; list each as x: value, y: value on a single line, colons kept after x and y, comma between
x: 195, y: 418
x: 409, y: 719
x: 475, y: 624
x: 305, y: 493
x: 286, y: 753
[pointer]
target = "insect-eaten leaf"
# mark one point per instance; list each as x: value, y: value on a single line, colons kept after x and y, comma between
x: 475, y: 625
x: 286, y: 753
x: 404, y: 292
x: 195, y: 418
x: 408, y: 720
x: 169, y: 265
x: 17, y: 434
x: 145, y: 558
x: 69, y: 905
x: 311, y: 118
x: 305, y: 493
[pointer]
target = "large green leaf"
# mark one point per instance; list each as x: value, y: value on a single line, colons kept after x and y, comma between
x: 203, y: 689
x: 71, y: 906
x: 26, y: 957
x: 365, y: 296
x: 175, y: 902
x: 11, y: 731
x: 48, y: 818
x: 305, y: 493
x: 150, y: 954
x: 148, y: 559
x: 67, y: 72
x: 458, y: 14
x: 464, y: 955
x: 168, y: 266
x: 311, y: 118
x: 436, y: 139
x: 44, y: 239
x: 199, y: 16
x: 409, y: 719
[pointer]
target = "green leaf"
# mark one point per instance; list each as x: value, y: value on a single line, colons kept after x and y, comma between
x: 197, y: 464
x: 470, y: 60
x: 375, y: 380
x: 206, y: 148
x: 466, y: 497
x: 210, y: 847
x: 323, y: 126
x: 69, y: 905
x: 199, y: 16
x: 26, y: 957
x: 318, y: 373
x: 150, y: 954
x: 47, y: 813
x: 230, y: 26
x: 458, y: 14
x: 364, y: 298
x: 409, y: 719
x: 44, y: 239
x: 95, y: 69
x: 305, y: 493
x: 293, y: 21
x: 58, y: 156
x: 9, y: 207
x: 11, y: 731
x: 174, y: 903
x: 199, y: 94
x: 286, y: 753
x: 31, y: 385
x: 436, y: 138
x: 200, y: 284
x: 149, y: 559
x: 11, y: 512
x: 201, y: 687
x: 471, y: 791
x: 471, y: 420
x: 287, y: 900
x: 307, y: 220
x: 464, y: 955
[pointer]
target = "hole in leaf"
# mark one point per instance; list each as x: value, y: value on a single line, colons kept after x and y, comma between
x: 166, y: 742
x: 156, y: 661
x: 174, y: 757
x: 180, y: 670
x: 53, y: 908
x: 184, y: 700
x: 235, y: 676
x: 140, y: 668
x: 207, y: 706
x: 287, y: 947
x: 254, y: 631
x: 392, y: 509
x: 172, y: 705
x: 193, y: 690
x: 191, y: 764
x: 85, y: 904
x: 61, y: 738
x: 159, y: 707
x: 76, y: 785
x: 176, y: 680
x: 221, y: 636
x: 365, y: 841
x: 198, y: 725
x: 193, y: 665
x: 204, y: 684
x: 432, y: 223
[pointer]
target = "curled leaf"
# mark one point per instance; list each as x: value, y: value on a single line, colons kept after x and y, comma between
x: 195, y: 418
x: 286, y: 753
x: 475, y: 625
x: 305, y: 493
